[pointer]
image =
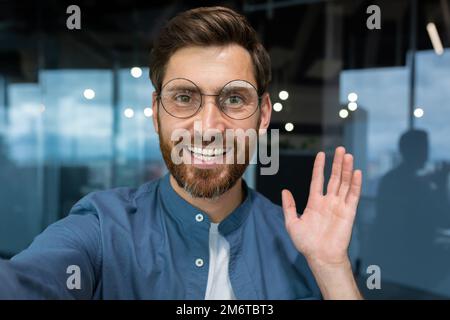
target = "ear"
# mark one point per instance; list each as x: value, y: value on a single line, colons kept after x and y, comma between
x: 155, y: 111
x: 266, y: 113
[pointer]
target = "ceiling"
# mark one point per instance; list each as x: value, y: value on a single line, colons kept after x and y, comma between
x: 33, y: 33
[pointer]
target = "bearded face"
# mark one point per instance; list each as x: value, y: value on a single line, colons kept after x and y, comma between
x: 212, y: 70
x: 207, y: 170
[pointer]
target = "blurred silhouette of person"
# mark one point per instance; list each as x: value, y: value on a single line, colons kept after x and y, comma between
x: 410, y: 210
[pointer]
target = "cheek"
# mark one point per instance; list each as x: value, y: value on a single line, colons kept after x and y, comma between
x: 171, y: 127
x: 251, y: 123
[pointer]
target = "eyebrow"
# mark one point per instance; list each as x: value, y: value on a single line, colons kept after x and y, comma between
x: 230, y: 88
x: 234, y: 87
x: 183, y: 87
x: 215, y: 90
x: 192, y: 88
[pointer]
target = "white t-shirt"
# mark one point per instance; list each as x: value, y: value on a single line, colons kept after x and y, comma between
x: 219, y: 285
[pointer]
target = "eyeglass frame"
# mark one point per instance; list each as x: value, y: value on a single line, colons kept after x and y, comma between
x: 158, y: 97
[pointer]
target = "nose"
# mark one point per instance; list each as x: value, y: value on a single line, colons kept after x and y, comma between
x: 210, y: 114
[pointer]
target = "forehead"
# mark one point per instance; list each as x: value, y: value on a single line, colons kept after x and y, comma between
x: 211, y: 67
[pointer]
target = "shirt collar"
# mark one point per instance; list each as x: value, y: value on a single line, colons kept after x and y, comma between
x: 188, y: 215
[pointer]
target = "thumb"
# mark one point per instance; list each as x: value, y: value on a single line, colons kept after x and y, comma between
x: 289, y: 209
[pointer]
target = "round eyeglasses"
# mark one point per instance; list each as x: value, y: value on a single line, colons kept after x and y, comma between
x: 181, y: 98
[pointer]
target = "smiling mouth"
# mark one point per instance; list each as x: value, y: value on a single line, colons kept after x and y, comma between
x: 207, y: 154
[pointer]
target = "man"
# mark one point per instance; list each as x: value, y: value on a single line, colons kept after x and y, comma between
x: 410, y: 221
x: 200, y: 232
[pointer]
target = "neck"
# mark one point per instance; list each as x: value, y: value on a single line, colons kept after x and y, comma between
x: 218, y: 208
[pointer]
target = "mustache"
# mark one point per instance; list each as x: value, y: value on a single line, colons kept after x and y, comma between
x: 201, y: 141
x: 204, y: 141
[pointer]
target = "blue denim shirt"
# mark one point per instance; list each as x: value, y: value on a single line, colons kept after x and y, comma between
x: 144, y: 243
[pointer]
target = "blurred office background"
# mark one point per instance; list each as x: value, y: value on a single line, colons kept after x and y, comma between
x: 75, y: 116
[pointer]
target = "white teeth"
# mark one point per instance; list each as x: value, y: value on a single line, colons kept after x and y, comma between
x: 206, y: 152
x: 202, y: 157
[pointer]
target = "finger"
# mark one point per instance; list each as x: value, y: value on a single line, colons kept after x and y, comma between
x: 289, y: 208
x: 317, y: 178
x: 335, y: 178
x: 355, y: 189
x: 346, y: 178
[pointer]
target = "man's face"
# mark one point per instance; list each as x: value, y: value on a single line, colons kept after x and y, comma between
x: 210, y: 68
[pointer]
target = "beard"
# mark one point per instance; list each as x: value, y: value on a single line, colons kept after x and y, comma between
x: 199, y: 182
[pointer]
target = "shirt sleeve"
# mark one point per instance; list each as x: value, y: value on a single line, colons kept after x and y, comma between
x: 63, y: 262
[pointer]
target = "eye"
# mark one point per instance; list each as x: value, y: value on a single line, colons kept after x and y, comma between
x: 183, y: 98
x: 234, y: 100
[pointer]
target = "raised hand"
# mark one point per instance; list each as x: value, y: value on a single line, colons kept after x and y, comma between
x: 322, y: 233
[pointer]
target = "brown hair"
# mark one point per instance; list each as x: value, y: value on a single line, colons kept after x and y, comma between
x: 208, y: 26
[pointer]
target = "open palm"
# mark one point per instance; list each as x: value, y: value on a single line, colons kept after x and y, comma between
x: 322, y: 233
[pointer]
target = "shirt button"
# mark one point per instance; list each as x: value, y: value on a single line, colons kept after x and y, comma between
x: 199, y: 217
x: 199, y: 263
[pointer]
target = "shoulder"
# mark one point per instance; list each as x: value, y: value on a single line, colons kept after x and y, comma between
x: 266, y: 207
x: 114, y: 200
